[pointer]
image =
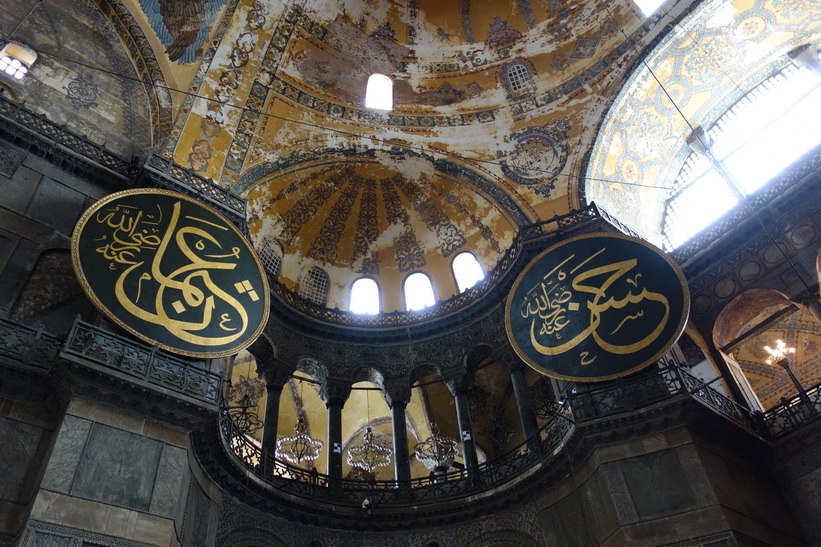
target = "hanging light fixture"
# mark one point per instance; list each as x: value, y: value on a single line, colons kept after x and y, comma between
x: 244, y: 400
x: 300, y: 446
x: 436, y: 452
x: 372, y: 453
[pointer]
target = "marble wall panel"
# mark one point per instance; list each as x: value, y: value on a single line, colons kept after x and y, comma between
x: 118, y: 467
x: 17, y: 455
x: 65, y: 457
x: 168, y: 485
x: 658, y: 484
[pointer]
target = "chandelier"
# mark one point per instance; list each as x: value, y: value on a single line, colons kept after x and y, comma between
x: 299, y: 446
x: 779, y: 352
x: 370, y: 454
x: 436, y: 452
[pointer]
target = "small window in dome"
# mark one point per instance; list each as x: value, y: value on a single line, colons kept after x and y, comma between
x: 379, y: 93
x: 418, y: 291
x: 271, y: 257
x: 365, y: 296
x: 518, y: 76
x: 648, y: 7
x: 467, y: 271
x: 313, y: 286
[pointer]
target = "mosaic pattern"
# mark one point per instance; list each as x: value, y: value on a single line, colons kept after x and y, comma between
x: 325, y: 246
x: 188, y: 102
x: 297, y: 97
x: 585, y: 47
x: 254, y: 105
x: 409, y: 254
x: 211, y: 125
x: 82, y: 92
x: 527, y: 11
x: 367, y: 230
x: 173, y: 21
x: 539, y: 156
x: 467, y: 23
x: 448, y: 235
x: 306, y: 208
x: 476, y: 222
x: 706, y: 68
x: 112, y: 17
x: 501, y: 33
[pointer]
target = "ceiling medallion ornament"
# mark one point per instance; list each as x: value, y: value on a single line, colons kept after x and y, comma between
x: 596, y: 307
x: 172, y: 272
x: 369, y: 455
x: 436, y: 452
x: 300, y: 446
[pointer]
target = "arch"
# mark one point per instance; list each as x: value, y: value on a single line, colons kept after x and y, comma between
x: 365, y: 296
x: 466, y: 269
x: 263, y: 350
x: 741, y: 310
x: 423, y: 370
x: 477, y: 355
x: 313, y: 285
x: 417, y: 291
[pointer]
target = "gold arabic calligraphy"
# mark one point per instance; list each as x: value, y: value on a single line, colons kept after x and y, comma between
x: 201, y: 312
x: 566, y: 297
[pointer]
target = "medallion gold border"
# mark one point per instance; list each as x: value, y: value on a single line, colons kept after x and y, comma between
x: 588, y: 379
x: 81, y: 277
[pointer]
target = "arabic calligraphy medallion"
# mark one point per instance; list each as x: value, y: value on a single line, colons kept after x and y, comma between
x: 596, y: 307
x: 172, y: 272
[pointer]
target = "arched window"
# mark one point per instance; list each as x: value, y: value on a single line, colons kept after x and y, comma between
x: 313, y: 286
x: 271, y: 257
x: 418, y: 291
x: 466, y: 270
x: 771, y: 127
x: 379, y: 93
x: 518, y: 77
x: 365, y: 296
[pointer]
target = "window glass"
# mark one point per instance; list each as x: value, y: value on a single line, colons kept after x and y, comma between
x: 418, y: 291
x: 365, y: 296
x: 648, y: 7
x: 271, y: 257
x: 379, y: 93
x: 763, y: 133
x: 518, y: 76
x: 467, y: 271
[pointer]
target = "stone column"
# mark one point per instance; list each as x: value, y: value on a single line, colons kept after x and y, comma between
x: 335, y: 393
x: 398, y: 395
x: 459, y: 386
x: 524, y: 401
x: 275, y: 373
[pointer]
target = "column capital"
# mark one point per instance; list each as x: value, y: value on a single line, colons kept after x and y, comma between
x: 509, y: 359
x: 459, y: 382
x: 334, y: 391
x: 397, y: 391
x: 275, y: 374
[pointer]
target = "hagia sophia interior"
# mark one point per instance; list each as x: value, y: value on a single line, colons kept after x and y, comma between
x: 396, y: 165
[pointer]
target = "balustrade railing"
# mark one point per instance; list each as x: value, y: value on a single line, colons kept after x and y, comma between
x: 652, y: 386
x: 28, y: 345
x: 141, y: 361
x: 17, y: 114
x: 308, y: 484
x: 791, y: 414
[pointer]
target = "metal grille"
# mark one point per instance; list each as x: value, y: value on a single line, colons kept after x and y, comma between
x: 271, y: 257
x: 314, y: 286
x: 518, y: 76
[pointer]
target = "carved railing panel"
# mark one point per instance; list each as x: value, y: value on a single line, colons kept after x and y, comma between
x: 140, y: 361
x: 17, y: 113
x: 27, y: 345
x: 791, y: 414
